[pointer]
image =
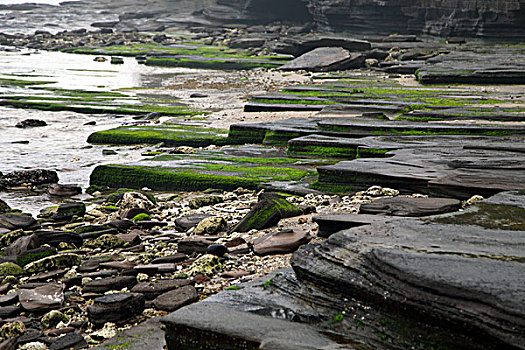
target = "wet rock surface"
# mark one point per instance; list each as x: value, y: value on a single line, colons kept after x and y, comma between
x: 398, y: 275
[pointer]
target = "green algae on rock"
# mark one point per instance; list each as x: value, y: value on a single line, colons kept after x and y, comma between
x: 53, y: 262
x: 177, y: 135
x: 227, y: 168
x: 10, y: 269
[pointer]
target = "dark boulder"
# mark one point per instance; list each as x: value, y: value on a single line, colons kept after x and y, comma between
x: 30, y: 123
x: 34, y: 177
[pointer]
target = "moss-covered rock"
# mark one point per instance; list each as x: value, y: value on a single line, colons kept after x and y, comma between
x: 206, y: 265
x: 141, y: 217
x: 271, y: 208
x: 67, y: 211
x: 12, y: 330
x: 211, y: 226
x: 8, y: 238
x: 53, y: 318
x: 106, y: 241
x: 53, y: 262
x: 9, y: 268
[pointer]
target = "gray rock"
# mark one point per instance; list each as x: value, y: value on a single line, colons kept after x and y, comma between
x: 17, y: 221
x: 72, y: 340
x: 239, y: 330
x: 325, y: 59
x: 64, y: 190
x: 146, y: 335
x: 405, y: 206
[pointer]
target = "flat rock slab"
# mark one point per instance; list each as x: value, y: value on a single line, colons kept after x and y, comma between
x: 17, y: 221
x: 406, y: 206
x: 332, y: 223
x: 40, y: 299
x: 463, y: 267
x: 227, y: 168
x: 175, y: 299
x: 325, y: 59
x: 116, y: 308
x: 199, y: 324
x: 282, y: 242
x: 447, y: 171
x: 145, y: 335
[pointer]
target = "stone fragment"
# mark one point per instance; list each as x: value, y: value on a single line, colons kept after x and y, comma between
x: 271, y: 208
x: 211, y: 226
x: 133, y: 200
x: 54, y: 238
x: 173, y: 258
x: 132, y: 212
x: 176, y: 299
x: 12, y: 330
x: 117, y: 308
x: 217, y: 250
x: 4, y: 207
x: 47, y: 297
x: 9, y: 299
x: 282, y: 242
x: 34, y: 177
x: 239, y: 330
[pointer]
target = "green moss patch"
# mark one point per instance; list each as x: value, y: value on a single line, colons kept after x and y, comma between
x: 491, y: 216
x: 169, y: 135
x: 207, y: 169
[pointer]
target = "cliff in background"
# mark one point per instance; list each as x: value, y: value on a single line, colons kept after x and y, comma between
x: 481, y: 18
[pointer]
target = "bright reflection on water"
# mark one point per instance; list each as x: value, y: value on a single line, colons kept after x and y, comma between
x: 62, y: 144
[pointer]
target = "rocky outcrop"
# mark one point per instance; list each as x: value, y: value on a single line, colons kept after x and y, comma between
x: 502, y: 18
x: 450, y: 281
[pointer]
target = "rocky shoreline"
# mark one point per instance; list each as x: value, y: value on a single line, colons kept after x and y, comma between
x: 370, y: 197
